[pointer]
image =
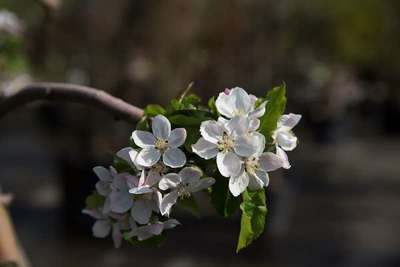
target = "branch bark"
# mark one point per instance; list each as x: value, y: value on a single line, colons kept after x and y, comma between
x: 69, y: 93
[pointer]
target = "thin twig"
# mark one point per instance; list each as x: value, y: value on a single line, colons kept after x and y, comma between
x: 69, y: 93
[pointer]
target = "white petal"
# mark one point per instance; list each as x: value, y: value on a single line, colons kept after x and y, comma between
x: 201, y: 184
x: 101, y: 228
x: 212, y: 131
x: 161, y: 127
x: 224, y: 105
x: 143, y: 139
x: 241, y: 101
x: 107, y: 206
x: 174, y: 158
x: 167, y: 202
x: 124, y: 154
x: 270, y: 162
x: 141, y: 190
x: 282, y: 154
x: 228, y: 164
x: 171, y: 223
x: 133, y: 155
x: 248, y: 145
x: 263, y: 176
x: 190, y: 174
x: 94, y: 213
x: 205, y: 149
x: 237, y: 184
x: 170, y: 180
x: 258, y: 112
x: 177, y: 137
x: 148, y: 157
x: 238, y: 125
x: 141, y: 211
x: 288, y: 121
x: 145, y: 232
x: 153, y: 177
x: 286, y: 140
x: 103, y: 188
x: 255, y: 183
x: 254, y: 125
x: 103, y: 173
x: 120, y: 201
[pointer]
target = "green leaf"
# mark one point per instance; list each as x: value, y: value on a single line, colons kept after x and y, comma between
x: 189, y: 118
x: 213, y: 107
x: 222, y: 199
x: 121, y: 165
x: 275, y: 108
x: 192, y: 135
x: 155, y: 241
x: 154, y: 110
x: 94, y: 200
x: 254, y: 211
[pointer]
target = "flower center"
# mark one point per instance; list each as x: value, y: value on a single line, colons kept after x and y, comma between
x: 161, y: 144
x: 251, y: 164
x: 226, y: 144
x: 182, y: 191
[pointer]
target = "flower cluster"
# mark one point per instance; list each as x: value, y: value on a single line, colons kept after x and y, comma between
x: 134, y: 202
x: 238, y: 140
x: 237, y: 146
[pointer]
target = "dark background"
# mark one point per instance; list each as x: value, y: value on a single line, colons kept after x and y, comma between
x: 337, y: 206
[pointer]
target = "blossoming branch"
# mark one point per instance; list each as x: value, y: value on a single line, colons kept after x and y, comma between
x: 226, y: 149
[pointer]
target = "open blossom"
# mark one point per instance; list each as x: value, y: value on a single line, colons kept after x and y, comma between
x: 106, y: 223
x: 146, y: 197
x: 254, y: 173
x: 182, y: 184
x: 162, y: 142
x: 237, y: 102
x: 227, y: 142
x: 113, y: 186
x: 152, y: 229
x: 284, y: 137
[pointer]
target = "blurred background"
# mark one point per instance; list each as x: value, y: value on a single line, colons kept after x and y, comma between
x: 337, y: 206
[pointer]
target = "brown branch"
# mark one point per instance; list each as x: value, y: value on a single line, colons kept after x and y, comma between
x: 69, y: 93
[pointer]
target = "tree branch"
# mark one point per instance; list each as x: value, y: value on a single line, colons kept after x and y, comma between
x: 69, y: 93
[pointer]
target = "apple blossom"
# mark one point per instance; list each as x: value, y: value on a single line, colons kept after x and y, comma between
x: 114, y: 188
x: 182, y: 184
x: 111, y: 222
x: 236, y: 102
x: 152, y: 229
x: 284, y: 137
x: 146, y: 197
x: 227, y: 142
x: 162, y: 142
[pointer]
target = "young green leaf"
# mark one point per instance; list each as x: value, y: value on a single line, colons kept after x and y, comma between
x: 94, y: 200
x: 254, y: 211
x: 153, y: 110
x: 275, y: 108
x: 222, y: 199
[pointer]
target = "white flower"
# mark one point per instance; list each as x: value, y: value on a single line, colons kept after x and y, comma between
x: 10, y: 23
x: 106, y: 223
x: 284, y: 138
x: 129, y: 155
x: 182, y: 184
x: 236, y: 102
x: 162, y: 142
x: 146, y: 197
x: 254, y: 173
x: 228, y: 142
x: 152, y: 229
x: 114, y: 188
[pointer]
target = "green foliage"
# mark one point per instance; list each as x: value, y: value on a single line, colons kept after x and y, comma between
x: 122, y: 165
x: 254, y: 211
x: 143, y: 124
x: 11, y: 54
x: 94, y: 200
x: 222, y: 199
x: 275, y: 107
x: 153, y: 110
